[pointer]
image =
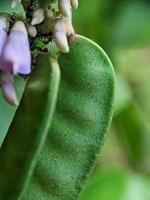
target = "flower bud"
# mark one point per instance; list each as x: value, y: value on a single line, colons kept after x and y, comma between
x: 68, y: 24
x: 38, y: 17
x: 16, y: 56
x: 74, y: 4
x: 65, y: 7
x: 61, y: 37
x: 32, y: 31
x: 4, y: 23
x: 50, y: 13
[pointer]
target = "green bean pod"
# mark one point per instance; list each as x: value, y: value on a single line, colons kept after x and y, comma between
x: 80, y: 123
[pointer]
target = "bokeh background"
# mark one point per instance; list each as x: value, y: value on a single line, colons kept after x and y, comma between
x: 122, y: 28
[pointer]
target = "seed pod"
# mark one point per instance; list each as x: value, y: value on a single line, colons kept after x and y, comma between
x: 79, y: 126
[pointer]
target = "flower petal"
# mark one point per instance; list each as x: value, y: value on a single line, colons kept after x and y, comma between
x: 65, y: 7
x: 16, y: 56
x: 8, y: 89
x: 61, y: 36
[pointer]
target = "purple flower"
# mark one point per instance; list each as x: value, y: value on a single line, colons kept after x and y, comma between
x: 16, y: 56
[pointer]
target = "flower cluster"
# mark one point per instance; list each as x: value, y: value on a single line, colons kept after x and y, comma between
x: 15, y: 55
x: 63, y: 26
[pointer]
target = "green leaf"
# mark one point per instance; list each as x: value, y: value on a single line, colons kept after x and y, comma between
x: 28, y: 129
x: 131, y: 27
x: 130, y: 128
x: 82, y: 117
x: 117, y: 185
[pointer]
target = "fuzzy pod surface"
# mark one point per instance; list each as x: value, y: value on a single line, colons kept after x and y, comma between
x: 79, y: 126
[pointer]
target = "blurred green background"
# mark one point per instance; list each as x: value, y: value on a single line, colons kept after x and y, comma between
x: 122, y: 28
